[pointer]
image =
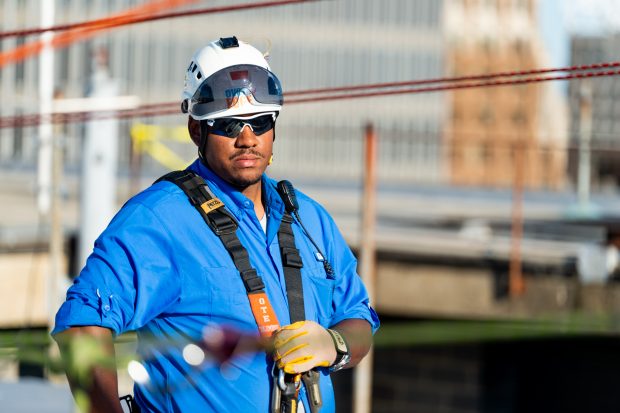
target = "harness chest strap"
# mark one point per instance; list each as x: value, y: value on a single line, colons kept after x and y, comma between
x: 224, y: 225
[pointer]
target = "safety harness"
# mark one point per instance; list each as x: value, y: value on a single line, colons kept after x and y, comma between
x: 286, y: 387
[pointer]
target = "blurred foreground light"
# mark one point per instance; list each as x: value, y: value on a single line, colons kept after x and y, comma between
x: 213, y: 335
x: 137, y: 372
x: 193, y: 355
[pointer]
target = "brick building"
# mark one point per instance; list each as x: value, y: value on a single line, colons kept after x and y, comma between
x: 487, y: 126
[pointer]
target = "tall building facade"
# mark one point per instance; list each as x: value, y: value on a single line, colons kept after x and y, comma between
x: 312, y: 45
x: 605, y: 110
x: 500, y: 134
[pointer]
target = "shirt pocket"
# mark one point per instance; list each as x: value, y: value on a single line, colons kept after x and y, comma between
x: 229, y: 301
x: 319, y: 294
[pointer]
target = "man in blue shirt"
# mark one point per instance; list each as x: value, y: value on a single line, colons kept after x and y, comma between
x: 160, y: 270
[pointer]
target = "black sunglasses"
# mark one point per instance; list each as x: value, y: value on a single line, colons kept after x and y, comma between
x: 232, y: 127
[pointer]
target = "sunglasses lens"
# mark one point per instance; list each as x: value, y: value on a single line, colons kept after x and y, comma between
x: 231, y: 127
x: 226, y: 127
x: 262, y: 124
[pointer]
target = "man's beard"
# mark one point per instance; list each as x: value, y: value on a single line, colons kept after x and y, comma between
x: 242, y: 183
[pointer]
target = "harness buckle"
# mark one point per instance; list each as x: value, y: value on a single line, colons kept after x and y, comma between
x: 227, y: 229
x: 221, y: 223
x: 291, y: 257
x: 252, y: 281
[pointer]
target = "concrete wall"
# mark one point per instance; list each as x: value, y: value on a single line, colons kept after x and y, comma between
x: 24, y: 292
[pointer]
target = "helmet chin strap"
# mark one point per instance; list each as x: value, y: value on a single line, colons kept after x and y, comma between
x: 204, y: 132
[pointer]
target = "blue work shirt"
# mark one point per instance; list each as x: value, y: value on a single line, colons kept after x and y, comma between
x: 160, y: 270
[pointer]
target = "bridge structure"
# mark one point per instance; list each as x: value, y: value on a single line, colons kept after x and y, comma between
x: 441, y: 251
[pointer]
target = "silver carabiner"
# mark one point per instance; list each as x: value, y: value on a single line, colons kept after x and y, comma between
x: 282, y: 383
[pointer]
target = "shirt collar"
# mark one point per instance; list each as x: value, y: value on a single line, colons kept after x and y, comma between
x: 234, y: 200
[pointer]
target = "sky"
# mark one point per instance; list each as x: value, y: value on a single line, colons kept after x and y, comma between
x: 562, y: 18
x: 591, y: 16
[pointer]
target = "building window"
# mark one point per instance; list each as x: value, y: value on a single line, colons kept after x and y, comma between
x: 18, y: 138
x: 520, y: 47
x: 519, y: 117
x: 486, y: 116
x: 457, y: 116
x: 19, y: 67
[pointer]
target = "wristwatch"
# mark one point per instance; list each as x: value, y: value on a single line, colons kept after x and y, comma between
x: 342, y: 351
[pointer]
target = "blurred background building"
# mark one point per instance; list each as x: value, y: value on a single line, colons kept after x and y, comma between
x: 475, y: 185
x: 488, y: 127
x: 316, y: 45
x: 605, y: 110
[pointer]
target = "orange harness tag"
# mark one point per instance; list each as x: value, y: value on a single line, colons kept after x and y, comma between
x: 263, y: 313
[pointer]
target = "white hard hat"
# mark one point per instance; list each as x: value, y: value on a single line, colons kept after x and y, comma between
x: 229, y: 78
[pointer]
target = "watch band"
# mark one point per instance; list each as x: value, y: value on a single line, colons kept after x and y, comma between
x: 342, y: 351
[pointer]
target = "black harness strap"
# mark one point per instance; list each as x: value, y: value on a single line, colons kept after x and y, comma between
x: 291, y: 264
x: 221, y: 222
x: 224, y: 225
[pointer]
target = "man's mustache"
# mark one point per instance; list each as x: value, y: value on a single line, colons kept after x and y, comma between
x: 245, y: 152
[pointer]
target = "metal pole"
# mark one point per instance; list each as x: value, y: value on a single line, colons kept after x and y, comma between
x: 45, y: 157
x: 362, y: 378
x: 99, y: 164
x: 516, y: 284
x: 46, y: 95
x: 585, y: 137
x: 57, y: 235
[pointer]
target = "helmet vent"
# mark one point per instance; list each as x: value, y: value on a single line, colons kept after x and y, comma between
x: 199, y: 75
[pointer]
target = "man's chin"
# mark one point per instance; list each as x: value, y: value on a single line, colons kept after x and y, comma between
x: 243, y: 182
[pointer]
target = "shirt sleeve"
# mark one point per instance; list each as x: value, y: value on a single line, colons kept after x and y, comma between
x: 350, y: 299
x: 129, y: 278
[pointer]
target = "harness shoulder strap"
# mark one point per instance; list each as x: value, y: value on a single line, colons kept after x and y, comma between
x: 210, y: 208
x: 224, y: 225
x: 291, y: 265
x: 221, y: 222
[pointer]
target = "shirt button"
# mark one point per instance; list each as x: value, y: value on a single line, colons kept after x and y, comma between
x: 246, y: 204
x: 106, y: 307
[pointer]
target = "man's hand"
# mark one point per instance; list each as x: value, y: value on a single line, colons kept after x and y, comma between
x: 90, y: 364
x: 303, y: 345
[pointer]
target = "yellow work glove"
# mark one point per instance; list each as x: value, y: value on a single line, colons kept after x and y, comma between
x: 303, y: 345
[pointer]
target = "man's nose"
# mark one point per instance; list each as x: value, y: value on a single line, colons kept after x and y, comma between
x: 246, y: 138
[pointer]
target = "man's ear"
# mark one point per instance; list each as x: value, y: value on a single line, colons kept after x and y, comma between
x: 193, y: 126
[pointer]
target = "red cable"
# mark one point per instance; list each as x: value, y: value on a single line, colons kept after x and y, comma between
x: 104, y: 23
x: 63, y: 39
x: 170, y: 108
x: 605, y: 65
x: 454, y: 87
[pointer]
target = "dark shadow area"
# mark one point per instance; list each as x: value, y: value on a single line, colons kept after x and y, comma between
x: 573, y: 374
